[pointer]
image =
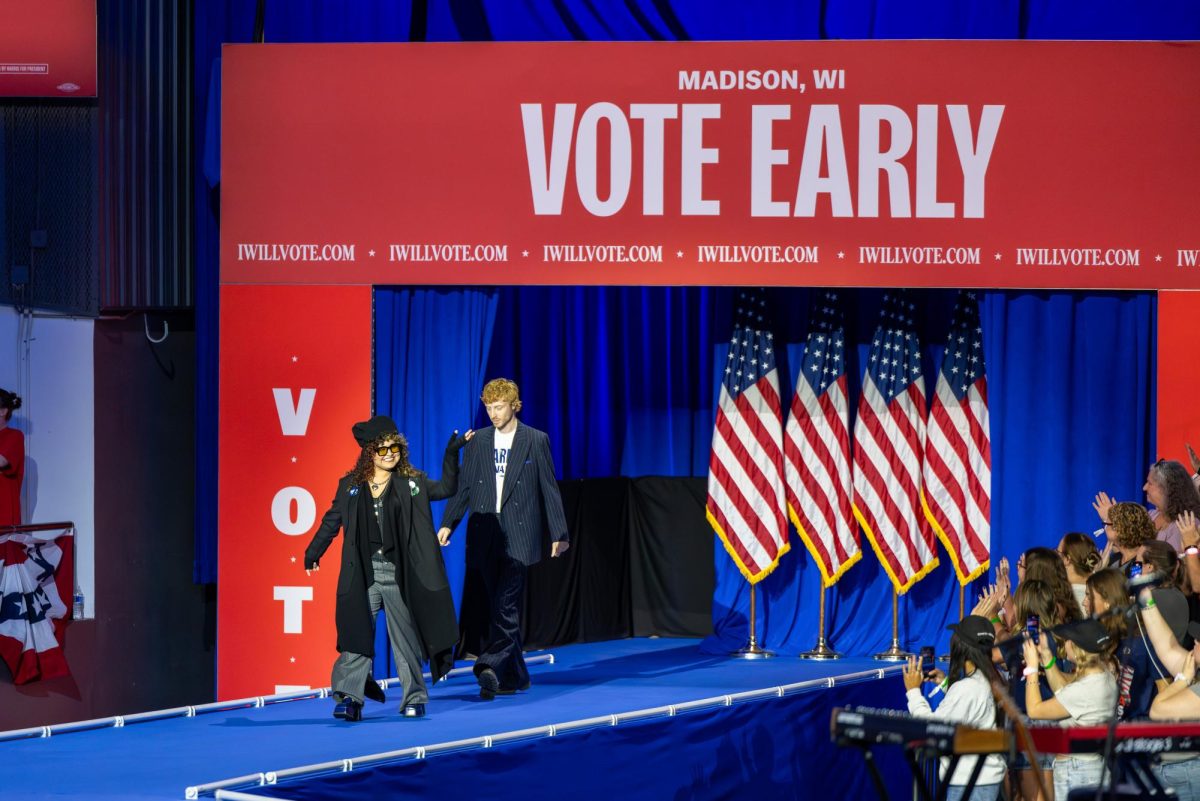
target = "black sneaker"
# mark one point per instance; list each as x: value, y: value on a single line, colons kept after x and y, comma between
x: 489, y: 684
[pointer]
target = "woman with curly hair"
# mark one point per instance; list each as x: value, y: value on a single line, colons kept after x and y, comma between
x: 390, y: 559
x: 1128, y: 527
x: 1170, y: 490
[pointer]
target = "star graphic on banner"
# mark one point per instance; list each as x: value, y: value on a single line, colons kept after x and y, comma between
x: 293, y: 660
x: 997, y: 257
x: 295, y: 359
x: 679, y: 254
x: 1158, y: 257
x: 293, y: 560
x: 293, y: 460
x: 525, y: 253
x: 371, y: 253
x: 841, y: 254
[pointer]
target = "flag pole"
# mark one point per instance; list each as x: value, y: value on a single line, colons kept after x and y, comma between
x: 751, y: 649
x: 962, y: 612
x: 822, y: 649
x: 894, y: 653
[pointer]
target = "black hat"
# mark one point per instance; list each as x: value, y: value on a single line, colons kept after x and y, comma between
x: 1089, y: 634
x: 975, y: 631
x: 374, y: 429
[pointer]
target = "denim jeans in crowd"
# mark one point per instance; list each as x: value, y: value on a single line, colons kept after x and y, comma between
x: 982, y: 792
x: 1182, y: 777
x: 1076, y: 771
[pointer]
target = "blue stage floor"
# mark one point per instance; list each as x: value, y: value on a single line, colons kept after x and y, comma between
x: 159, y: 759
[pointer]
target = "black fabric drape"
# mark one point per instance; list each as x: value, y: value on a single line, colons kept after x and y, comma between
x: 640, y: 564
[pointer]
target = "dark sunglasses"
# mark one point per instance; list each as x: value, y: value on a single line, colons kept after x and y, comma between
x: 383, y: 450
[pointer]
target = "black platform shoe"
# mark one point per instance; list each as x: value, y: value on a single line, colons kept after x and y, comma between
x: 348, y: 710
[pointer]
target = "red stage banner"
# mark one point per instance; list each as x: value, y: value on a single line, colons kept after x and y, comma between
x: 1178, y: 378
x: 47, y: 48
x: 958, y: 164
x: 292, y: 384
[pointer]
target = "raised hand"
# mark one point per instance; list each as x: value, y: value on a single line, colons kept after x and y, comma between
x: 459, y: 442
x: 1188, y: 532
x: 988, y: 603
x: 912, y: 673
x: 1102, y: 503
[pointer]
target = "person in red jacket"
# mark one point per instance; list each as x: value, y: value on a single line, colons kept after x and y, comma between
x: 12, y: 461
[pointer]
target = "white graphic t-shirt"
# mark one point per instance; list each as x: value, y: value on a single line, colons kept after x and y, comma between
x: 503, y: 448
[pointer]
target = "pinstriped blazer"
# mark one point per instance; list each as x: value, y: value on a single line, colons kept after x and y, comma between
x: 530, y: 504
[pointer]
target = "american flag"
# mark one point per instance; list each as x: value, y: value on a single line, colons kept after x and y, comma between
x: 816, y: 447
x: 889, y: 440
x: 958, y: 452
x: 745, y: 471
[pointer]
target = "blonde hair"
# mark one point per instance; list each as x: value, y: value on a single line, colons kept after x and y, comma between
x: 502, y: 389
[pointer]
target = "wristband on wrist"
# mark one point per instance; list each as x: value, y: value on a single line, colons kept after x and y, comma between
x: 1148, y: 604
x: 1191, y: 550
x: 1180, y: 677
x: 1053, y: 661
x: 996, y: 621
x: 1030, y: 672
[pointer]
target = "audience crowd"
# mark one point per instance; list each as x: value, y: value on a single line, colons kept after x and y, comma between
x: 1081, y: 636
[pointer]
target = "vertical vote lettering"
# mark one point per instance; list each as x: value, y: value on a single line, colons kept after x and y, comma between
x: 293, y: 509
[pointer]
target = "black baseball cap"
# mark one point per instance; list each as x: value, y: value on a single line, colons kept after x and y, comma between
x: 1089, y: 634
x: 975, y: 631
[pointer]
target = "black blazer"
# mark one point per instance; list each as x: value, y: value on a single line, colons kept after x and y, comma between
x: 531, y: 503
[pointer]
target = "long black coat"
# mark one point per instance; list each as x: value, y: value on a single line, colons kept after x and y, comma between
x: 420, y: 571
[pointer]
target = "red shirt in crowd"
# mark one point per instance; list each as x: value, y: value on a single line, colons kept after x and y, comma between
x: 12, y: 448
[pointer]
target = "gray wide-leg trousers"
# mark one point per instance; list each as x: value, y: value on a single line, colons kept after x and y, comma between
x: 351, y: 671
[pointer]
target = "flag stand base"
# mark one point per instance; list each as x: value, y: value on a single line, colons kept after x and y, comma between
x: 894, y: 653
x: 752, y: 651
x: 822, y: 651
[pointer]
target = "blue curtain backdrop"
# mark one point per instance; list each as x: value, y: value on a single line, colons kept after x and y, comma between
x: 625, y: 382
x: 1044, y: 488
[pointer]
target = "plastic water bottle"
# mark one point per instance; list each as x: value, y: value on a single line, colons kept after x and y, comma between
x: 77, y: 607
